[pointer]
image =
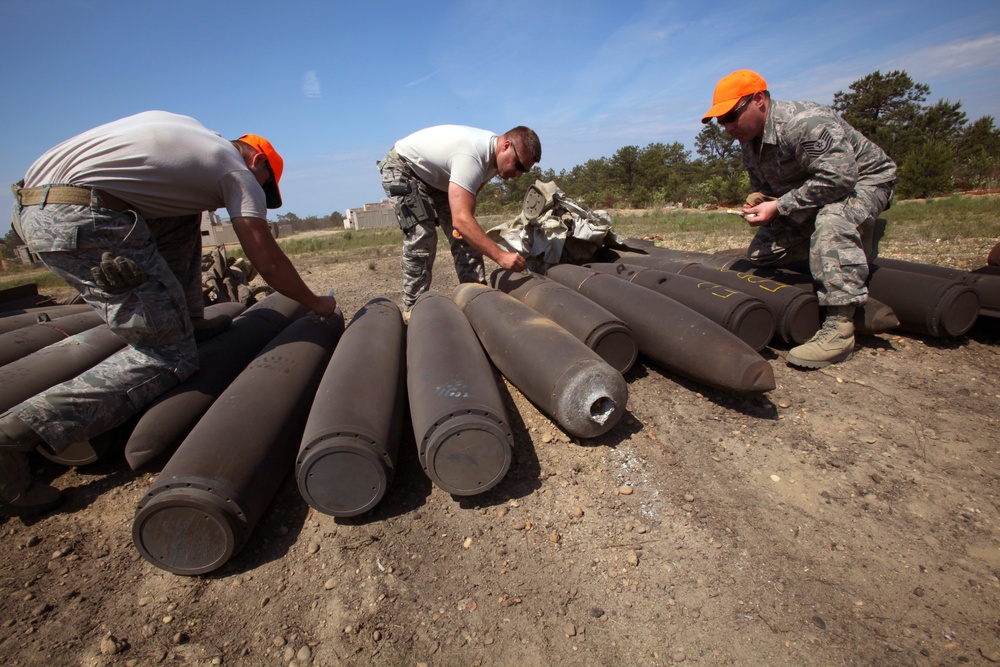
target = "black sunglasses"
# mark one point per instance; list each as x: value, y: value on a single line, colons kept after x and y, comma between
x: 734, y: 114
x: 517, y: 160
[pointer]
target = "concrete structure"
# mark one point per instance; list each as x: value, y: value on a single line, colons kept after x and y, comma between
x: 214, y: 231
x: 371, y: 216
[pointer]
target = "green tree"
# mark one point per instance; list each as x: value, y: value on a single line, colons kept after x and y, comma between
x: 624, y: 168
x: 978, y: 151
x: 878, y: 100
x: 927, y: 171
x: 723, y: 180
x: 715, y: 146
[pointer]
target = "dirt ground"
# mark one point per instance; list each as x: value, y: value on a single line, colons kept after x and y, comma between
x: 849, y: 517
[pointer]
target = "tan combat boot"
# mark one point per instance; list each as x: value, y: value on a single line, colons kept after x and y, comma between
x: 19, y: 494
x: 833, y: 343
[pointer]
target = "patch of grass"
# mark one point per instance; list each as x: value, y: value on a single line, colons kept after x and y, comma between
x: 956, y: 217
x: 45, y: 279
x: 356, y: 243
x: 674, y: 221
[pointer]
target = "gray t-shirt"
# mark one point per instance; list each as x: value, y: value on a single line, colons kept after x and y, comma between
x: 162, y: 163
x: 446, y: 154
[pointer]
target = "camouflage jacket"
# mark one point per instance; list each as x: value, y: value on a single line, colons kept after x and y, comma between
x: 809, y: 156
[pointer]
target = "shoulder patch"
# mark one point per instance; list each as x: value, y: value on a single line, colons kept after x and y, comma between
x: 818, y: 146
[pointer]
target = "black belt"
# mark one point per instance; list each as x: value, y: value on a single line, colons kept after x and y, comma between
x: 71, y: 194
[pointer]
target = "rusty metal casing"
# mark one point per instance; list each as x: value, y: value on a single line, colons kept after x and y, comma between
x: 205, y: 503
x: 462, y: 431
x: 23, y: 341
x: 168, y: 419
x: 589, y: 323
x: 925, y: 304
x: 567, y: 380
x: 351, y: 441
x: 744, y: 316
x: 672, y: 335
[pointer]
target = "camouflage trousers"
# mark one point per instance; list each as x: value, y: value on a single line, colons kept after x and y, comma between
x: 830, y: 240
x: 420, y: 209
x: 153, y: 318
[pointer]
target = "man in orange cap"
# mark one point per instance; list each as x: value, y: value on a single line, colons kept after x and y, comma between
x: 115, y: 212
x: 818, y: 186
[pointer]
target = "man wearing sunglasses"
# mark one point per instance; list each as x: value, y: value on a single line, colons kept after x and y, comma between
x: 818, y: 186
x: 432, y: 177
x: 116, y: 213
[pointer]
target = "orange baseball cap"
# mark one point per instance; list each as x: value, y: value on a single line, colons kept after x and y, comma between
x: 276, y: 163
x: 731, y: 88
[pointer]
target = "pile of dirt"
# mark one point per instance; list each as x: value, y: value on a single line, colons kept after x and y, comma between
x: 847, y: 517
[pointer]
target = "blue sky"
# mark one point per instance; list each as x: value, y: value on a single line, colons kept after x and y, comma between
x: 333, y: 83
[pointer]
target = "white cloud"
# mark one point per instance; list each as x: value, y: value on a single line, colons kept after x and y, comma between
x: 310, y: 85
x: 417, y: 82
x: 953, y: 58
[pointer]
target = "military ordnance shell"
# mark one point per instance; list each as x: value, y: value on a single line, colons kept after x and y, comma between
x: 168, y: 419
x: 986, y: 284
x: 871, y: 318
x: 655, y: 252
x: 27, y: 376
x: 925, y: 304
x: 351, y: 441
x: 671, y: 334
x: 23, y: 317
x: 591, y: 324
x: 796, y: 312
x: 461, y: 427
x: 744, y: 316
x: 23, y: 341
x: 463, y: 435
x: 567, y: 380
x: 204, y: 505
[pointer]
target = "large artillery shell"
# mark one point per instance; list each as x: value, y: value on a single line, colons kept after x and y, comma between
x: 554, y: 370
x: 213, y: 491
x: 589, y: 323
x: 871, y: 318
x: 168, y: 419
x: 744, y: 316
x: 461, y: 427
x: 349, y: 448
x: 986, y: 284
x: 672, y: 335
x: 925, y: 304
x: 796, y: 312
x: 11, y: 320
x: 27, y: 376
x: 23, y: 341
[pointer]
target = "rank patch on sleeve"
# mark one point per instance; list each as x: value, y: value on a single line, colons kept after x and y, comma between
x: 818, y: 146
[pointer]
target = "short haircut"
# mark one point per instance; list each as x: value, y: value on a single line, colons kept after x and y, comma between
x: 525, y: 139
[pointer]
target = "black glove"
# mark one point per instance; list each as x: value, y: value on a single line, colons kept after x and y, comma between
x: 116, y: 275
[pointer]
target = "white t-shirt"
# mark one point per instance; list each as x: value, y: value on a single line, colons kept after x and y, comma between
x: 164, y: 164
x: 456, y: 154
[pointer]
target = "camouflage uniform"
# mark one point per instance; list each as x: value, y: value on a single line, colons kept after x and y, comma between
x: 153, y: 318
x: 420, y: 208
x: 831, y: 183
